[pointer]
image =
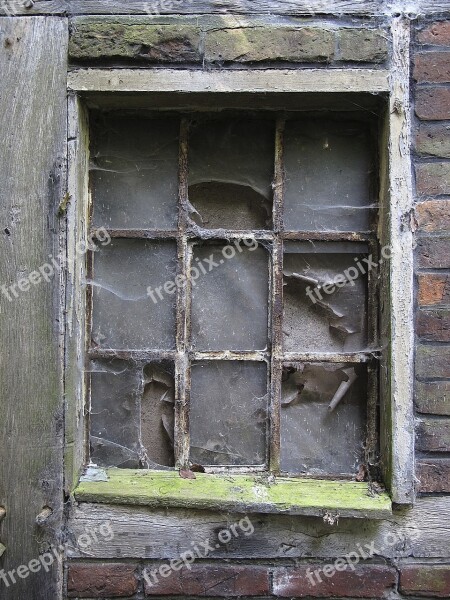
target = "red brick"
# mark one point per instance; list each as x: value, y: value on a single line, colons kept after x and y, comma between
x: 433, y: 476
x: 366, y: 581
x: 433, y: 215
x: 432, y: 362
x: 432, y: 397
x: 434, y: 326
x: 437, y: 34
x: 432, y: 67
x: 433, y: 178
x: 223, y: 581
x: 425, y: 581
x: 433, y: 139
x: 434, y: 290
x: 433, y: 253
x: 433, y: 103
x: 101, y: 580
x: 433, y: 435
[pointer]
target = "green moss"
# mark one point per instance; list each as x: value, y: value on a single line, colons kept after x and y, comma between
x: 239, y: 493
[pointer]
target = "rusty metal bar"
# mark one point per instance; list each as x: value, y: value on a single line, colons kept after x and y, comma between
x: 229, y: 234
x: 277, y: 300
x: 132, y: 355
x: 329, y: 236
x: 229, y: 355
x: 181, y: 433
x: 140, y: 234
x: 335, y: 357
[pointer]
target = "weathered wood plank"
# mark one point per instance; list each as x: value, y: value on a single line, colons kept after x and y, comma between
x: 283, y: 7
x: 32, y: 171
x: 240, y: 493
x: 293, y: 7
x: 139, y: 532
x: 264, y: 80
x: 397, y: 410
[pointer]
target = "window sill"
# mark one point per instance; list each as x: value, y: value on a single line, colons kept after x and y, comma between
x: 238, y: 493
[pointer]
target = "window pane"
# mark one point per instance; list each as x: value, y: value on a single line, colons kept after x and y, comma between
x: 315, y: 440
x: 132, y: 414
x: 134, y: 172
x: 125, y: 316
x: 114, y: 418
x: 230, y: 173
x: 228, y: 417
x: 328, y: 176
x: 230, y: 301
x: 314, y: 320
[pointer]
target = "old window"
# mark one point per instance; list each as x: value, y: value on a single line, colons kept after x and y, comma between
x: 234, y: 311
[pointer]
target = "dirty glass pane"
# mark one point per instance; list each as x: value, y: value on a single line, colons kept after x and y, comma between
x: 314, y: 439
x: 328, y: 176
x: 157, y: 414
x: 228, y: 414
x: 324, y: 299
x: 231, y: 165
x: 126, y: 314
x: 114, y: 417
x: 132, y: 414
x: 134, y: 172
x: 230, y: 300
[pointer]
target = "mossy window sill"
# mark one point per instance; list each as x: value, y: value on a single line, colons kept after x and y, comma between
x: 238, y: 493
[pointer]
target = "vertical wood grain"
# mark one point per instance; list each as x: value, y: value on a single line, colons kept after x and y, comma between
x: 33, y: 70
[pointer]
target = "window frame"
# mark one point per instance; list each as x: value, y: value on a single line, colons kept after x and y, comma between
x: 395, y: 201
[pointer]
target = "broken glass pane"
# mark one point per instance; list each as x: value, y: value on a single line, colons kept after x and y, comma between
x: 324, y: 298
x: 328, y: 169
x: 315, y: 438
x: 230, y: 300
x: 134, y: 172
x: 228, y: 413
x: 157, y: 413
x: 131, y: 310
x: 132, y: 414
x: 230, y: 173
x: 114, y: 418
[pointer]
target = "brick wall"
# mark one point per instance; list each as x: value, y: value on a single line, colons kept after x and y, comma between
x: 431, y: 91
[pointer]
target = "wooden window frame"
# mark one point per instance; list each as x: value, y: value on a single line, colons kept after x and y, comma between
x: 397, y: 302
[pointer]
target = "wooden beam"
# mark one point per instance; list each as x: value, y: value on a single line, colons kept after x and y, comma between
x: 33, y: 118
x: 143, y: 533
x: 253, y: 81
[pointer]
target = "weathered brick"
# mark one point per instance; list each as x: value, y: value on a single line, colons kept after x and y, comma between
x: 366, y: 581
x: 101, y: 580
x: 434, y: 325
x: 432, y: 362
x: 425, y: 580
x: 433, y: 435
x: 433, y: 476
x: 265, y: 44
x: 433, y: 103
x: 433, y: 178
x: 433, y: 215
x: 433, y: 397
x: 221, y: 581
x: 147, y: 42
x: 362, y: 45
x: 432, y: 67
x: 434, y: 290
x: 437, y: 34
x: 433, y: 139
x: 433, y: 253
